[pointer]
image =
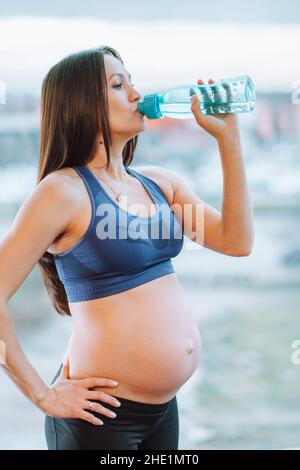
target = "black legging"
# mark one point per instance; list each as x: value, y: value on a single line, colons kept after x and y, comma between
x: 151, y: 426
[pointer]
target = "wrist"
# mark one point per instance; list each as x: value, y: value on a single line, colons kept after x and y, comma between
x: 41, y: 398
x: 230, y: 137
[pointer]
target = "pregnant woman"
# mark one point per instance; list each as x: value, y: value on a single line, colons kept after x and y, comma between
x: 103, y: 234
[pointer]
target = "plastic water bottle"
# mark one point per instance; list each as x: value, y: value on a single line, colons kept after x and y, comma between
x: 230, y: 95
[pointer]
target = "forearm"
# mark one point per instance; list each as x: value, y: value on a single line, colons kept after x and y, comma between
x: 237, y: 213
x: 14, y: 362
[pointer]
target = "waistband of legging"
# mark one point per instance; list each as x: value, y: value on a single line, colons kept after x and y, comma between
x: 142, y: 405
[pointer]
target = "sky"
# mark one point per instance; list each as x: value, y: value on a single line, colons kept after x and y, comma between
x: 217, y: 10
x: 162, y: 44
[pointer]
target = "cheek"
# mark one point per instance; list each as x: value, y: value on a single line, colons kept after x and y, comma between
x: 117, y: 100
x: 118, y: 107
x: 118, y: 119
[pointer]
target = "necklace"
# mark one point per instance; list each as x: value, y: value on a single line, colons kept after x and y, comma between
x: 118, y: 194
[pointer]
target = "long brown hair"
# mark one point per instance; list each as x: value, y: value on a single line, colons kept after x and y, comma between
x: 74, y: 109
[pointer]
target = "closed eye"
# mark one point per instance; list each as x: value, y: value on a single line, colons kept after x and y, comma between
x: 120, y: 84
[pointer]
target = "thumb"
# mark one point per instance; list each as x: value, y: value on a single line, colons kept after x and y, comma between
x: 195, y: 107
x: 195, y: 100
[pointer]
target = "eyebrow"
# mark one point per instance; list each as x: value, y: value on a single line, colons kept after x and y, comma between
x: 120, y: 75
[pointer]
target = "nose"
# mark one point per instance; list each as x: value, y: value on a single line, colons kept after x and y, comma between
x: 138, y: 96
x: 134, y: 95
x: 137, y: 99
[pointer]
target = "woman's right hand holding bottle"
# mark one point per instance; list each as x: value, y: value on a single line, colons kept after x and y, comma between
x: 67, y: 398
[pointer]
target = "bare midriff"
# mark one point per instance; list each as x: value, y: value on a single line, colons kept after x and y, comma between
x: 146, y: 338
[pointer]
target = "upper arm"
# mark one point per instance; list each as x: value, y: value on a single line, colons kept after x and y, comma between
x: 201, y: 222
x: 44, y: 215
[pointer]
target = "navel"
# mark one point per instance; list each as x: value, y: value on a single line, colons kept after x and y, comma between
x: 190, y: 345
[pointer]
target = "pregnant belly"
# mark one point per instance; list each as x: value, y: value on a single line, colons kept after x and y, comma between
x: 151, y: 351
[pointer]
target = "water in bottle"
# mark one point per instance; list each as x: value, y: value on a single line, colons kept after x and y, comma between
x: 230, y: 95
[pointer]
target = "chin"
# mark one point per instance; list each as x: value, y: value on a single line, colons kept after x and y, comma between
x: 140, y: 130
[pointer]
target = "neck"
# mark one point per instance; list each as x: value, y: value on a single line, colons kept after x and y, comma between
x: 115, y: 172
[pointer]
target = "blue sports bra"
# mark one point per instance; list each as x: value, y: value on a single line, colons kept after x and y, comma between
x: 119, y: 250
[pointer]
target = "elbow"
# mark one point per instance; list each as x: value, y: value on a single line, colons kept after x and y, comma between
x: 244, y: 252
x: 240, y: 250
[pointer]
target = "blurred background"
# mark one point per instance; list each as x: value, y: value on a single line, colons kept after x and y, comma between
x: 245, y: 392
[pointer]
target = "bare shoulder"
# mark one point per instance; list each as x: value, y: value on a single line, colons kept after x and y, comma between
x: 61, y: 188
x: 64, y: 183
x: 160, y: 175
x: 62, y: 178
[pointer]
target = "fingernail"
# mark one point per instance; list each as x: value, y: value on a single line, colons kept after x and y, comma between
x: 115, y: 382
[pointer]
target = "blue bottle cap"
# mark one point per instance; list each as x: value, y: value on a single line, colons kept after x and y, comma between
x: 150, y: 106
